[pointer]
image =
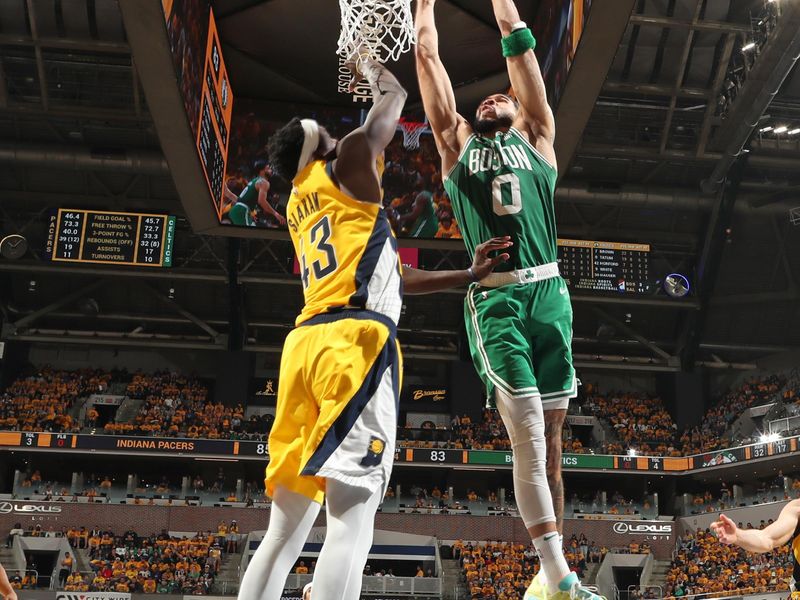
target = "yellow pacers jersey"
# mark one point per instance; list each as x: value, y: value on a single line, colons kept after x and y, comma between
x: 346, y: 248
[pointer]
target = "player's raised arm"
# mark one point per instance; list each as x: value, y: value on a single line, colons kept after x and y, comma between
x: 526, y: 77
x: 388, y: 98
x: 358, y: 151
x: 449, y: 128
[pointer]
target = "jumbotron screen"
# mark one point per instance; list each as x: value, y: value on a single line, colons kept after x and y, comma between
x: 414, y: 197
x: 204, y: 85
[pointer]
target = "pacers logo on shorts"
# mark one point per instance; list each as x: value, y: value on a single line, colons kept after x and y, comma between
x: 374, y: 452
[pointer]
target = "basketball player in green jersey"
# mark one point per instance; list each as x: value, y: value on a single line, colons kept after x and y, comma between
x: 255, y: 193
x: 500, y: 174
x: 785, y: 529
x: 422, y: 218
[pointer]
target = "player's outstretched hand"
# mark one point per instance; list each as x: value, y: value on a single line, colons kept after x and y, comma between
x: 725, y: 530
x: 356, y: 64
x: 483, y: 264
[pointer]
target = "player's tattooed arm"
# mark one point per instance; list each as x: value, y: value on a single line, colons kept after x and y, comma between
x: 528, y: 84
x: 449, y: 128
x: 418, y: 281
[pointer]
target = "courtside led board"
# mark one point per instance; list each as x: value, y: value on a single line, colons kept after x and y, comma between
x: 101, y: 237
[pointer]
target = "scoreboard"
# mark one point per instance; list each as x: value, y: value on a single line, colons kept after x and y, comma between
x: 215, y: 116
x: 100, y: 237
x: 204, y: 85
x: 605, y: 266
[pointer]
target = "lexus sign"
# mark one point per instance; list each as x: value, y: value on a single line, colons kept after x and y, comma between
x: 649, y: 529
x: 27, y: 509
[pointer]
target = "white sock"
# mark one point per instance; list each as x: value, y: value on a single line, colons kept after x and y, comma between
x: 291, y: 519
x: 542, y: 575
x: 551, y: 557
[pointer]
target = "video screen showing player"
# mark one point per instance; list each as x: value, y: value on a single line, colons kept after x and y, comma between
x: 414, y: 197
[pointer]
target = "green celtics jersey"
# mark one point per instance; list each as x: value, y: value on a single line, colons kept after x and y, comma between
x: 503, y: 186
x: 426, y: 224
x: 249, y: 194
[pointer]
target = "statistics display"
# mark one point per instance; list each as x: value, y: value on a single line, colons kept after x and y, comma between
x: 90, y: 236
x: 588, y: 265
x: 204, y: 84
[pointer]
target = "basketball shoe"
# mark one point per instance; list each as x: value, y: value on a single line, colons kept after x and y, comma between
x: 571, y: 588
x: 537, y: 590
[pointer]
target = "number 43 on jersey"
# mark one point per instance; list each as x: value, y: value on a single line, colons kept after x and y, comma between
x: 320, y: 251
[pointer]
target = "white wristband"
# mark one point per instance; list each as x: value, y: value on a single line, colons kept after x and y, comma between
x: 519, y: 25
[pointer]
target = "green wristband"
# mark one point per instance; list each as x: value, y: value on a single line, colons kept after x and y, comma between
x: 518, y: 42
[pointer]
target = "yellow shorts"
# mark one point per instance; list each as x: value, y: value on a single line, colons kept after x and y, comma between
x: 337, y: 404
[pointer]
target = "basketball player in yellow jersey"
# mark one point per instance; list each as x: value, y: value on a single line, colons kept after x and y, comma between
x: 785, y: 529
x: 336, y: 417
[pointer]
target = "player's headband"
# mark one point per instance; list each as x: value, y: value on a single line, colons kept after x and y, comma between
x: 310, y: 143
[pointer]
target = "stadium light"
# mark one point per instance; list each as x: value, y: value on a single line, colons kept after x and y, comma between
x: 765, y: 129
x: 781, y: 129
x: 748, y: 46
x: 769, y: 437
x: 794, y: 131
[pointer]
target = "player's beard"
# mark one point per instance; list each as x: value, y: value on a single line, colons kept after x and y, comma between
x: 484, y: 126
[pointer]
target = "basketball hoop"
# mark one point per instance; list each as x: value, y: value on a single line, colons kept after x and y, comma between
x: 384, y: 28
x: 412, y: 131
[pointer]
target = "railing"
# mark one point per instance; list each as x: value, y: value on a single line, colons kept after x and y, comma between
x: 739, y: 594
x: 55, y: 584
x: 226, y: 587
x: 644, y: 591
x: 404, y: 586
x: 784, y: 424
x: 21, y: 573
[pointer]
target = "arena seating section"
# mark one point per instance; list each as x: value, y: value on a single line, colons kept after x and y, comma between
x: 703, y: 565
x: 41, y: 401
x: 179, y: 405
x: 158, y: 563
x: 504, y: 571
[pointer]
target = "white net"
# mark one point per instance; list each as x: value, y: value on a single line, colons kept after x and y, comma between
x: 411, y: 133
x: 384, y: 28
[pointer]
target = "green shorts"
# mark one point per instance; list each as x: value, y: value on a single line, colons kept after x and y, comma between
x: 520, y: 337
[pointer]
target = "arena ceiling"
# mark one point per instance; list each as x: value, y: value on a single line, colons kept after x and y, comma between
x: 680, y: 98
